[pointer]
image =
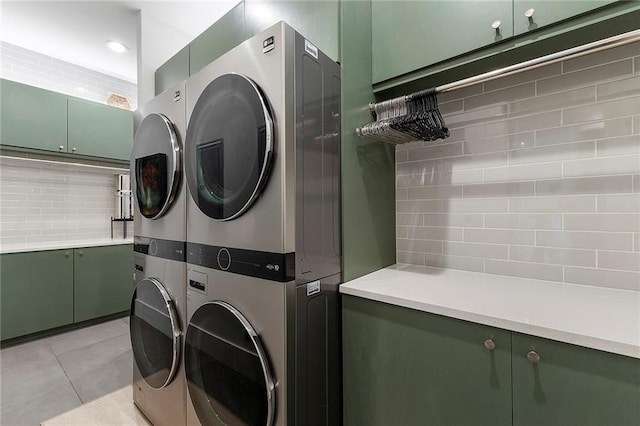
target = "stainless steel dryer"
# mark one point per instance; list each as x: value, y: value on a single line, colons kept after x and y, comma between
x: 262, y: 162
x: 158, y: 305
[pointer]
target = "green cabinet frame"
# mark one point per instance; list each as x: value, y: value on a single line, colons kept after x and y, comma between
x: 408, y: 367
x: 572, y: 385
x: 405, y: 367
x: 103, y: 281
x: 32, y: 117
x: 99, y: 130
x: 36, y: 292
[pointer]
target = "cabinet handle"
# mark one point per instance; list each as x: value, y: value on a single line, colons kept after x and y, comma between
x: 533, y: 357
x: 67, y: 253
x: 61, y: 147
x: 74, y: 149
x: 490, y: 344
x: 80, y: 253
x: 496, y: 25
x: 529, y: 13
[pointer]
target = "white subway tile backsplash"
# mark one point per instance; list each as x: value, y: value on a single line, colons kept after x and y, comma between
x: 478, y: 250
x: 568, y: 204
x: 607, y: 222
x: 500, y: 97
x: 603, y: 278
x: 500, y: 236
x: 543, y: 120
x: 585, y: 240
x: 619, y: 89
x: 584, y: 132
x: 585, y: 77
x: 555, y: 256
x: 523, y: 172
x: 620, y: 165
x: 531, y: 184
x: 627, y: 203
x: 497, y: 190
x: 586, y: 185
x: 523, y: 221
x: 43, y: 204
x: 619, y: 260
x: 554, y: 101
x: 525, y: 270
x: 454, y: 262
x: 602, y: 57
x: 602, y: 111
x: 618, y: 146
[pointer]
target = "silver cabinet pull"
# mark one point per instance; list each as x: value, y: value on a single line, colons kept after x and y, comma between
x: 490, y: 344
x: 80, y: 253
x: 533, y: 357
x: 61, y: 147
x: 74, y: 149
x: 67, y: 253
x: 496, y: 25
x: 529, y: 13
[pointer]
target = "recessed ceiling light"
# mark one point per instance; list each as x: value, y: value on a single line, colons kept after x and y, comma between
x: 116, y: 46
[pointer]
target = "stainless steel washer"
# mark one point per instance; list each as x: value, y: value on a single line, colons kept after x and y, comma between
x: 262, y: 164
x: 158, y: 306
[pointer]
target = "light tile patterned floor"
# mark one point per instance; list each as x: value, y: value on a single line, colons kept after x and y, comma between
x: 45, y: 378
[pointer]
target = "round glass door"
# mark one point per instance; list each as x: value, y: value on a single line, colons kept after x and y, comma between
x: 155, y: 333
x: 228, y: 376
x: 155, y: 166
x: 230, y: 147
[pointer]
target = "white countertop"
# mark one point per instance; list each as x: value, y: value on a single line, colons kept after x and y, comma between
x: 594, y: 317
x: 61, y: 245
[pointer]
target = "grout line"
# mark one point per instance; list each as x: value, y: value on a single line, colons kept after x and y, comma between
x: 68, y: 378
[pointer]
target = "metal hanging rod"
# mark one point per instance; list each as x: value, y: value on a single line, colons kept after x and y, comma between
x: 574, y: 52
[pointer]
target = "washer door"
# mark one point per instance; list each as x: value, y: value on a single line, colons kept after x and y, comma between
x: 228, y: 376
x: 155, y: 333
x: 230, y: 147
x: 156, y: 166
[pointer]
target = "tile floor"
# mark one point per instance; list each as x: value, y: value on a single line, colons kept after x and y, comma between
x: 45, y: 378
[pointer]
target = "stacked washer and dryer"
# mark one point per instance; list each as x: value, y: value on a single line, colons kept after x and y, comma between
x: 158, y: 306
x: 261, y: 328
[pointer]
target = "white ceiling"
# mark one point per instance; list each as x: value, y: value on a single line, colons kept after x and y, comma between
x: 76, y: 31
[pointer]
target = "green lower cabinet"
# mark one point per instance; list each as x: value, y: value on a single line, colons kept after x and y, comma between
x: 572, y: 385
x: 103, y: 281
x: 406, y: 367
x: 36, y: 292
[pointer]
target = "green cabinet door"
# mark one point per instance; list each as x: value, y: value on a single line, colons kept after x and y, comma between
x: 172, y: 72
x: 36, y: 292
x: 317, y: 21
x: 99, y: 130
x: 572, y: 385
x: 405, y: 367
x: 103, y: 281
x: 32, y: 117
x: 218, y: 39
x: 531, y: 14
x: 409, y: 35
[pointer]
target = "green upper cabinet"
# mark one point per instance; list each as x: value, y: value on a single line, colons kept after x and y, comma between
x: 32, y: 117
x: 36, y: 292
x: 172, y: 72
x: 572, y: 385
x: 317, y: 21
x: 405, y: 367
x: 409, y: 35
x: 531, y: 14
x: 99, y: 130
x: 103, y: 281
x: 219, y: 38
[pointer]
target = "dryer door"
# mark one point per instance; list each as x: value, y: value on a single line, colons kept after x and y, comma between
x: 229, y: 147
x: 228, y: 375
x: 155, y: 333
x: 156, y: 166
